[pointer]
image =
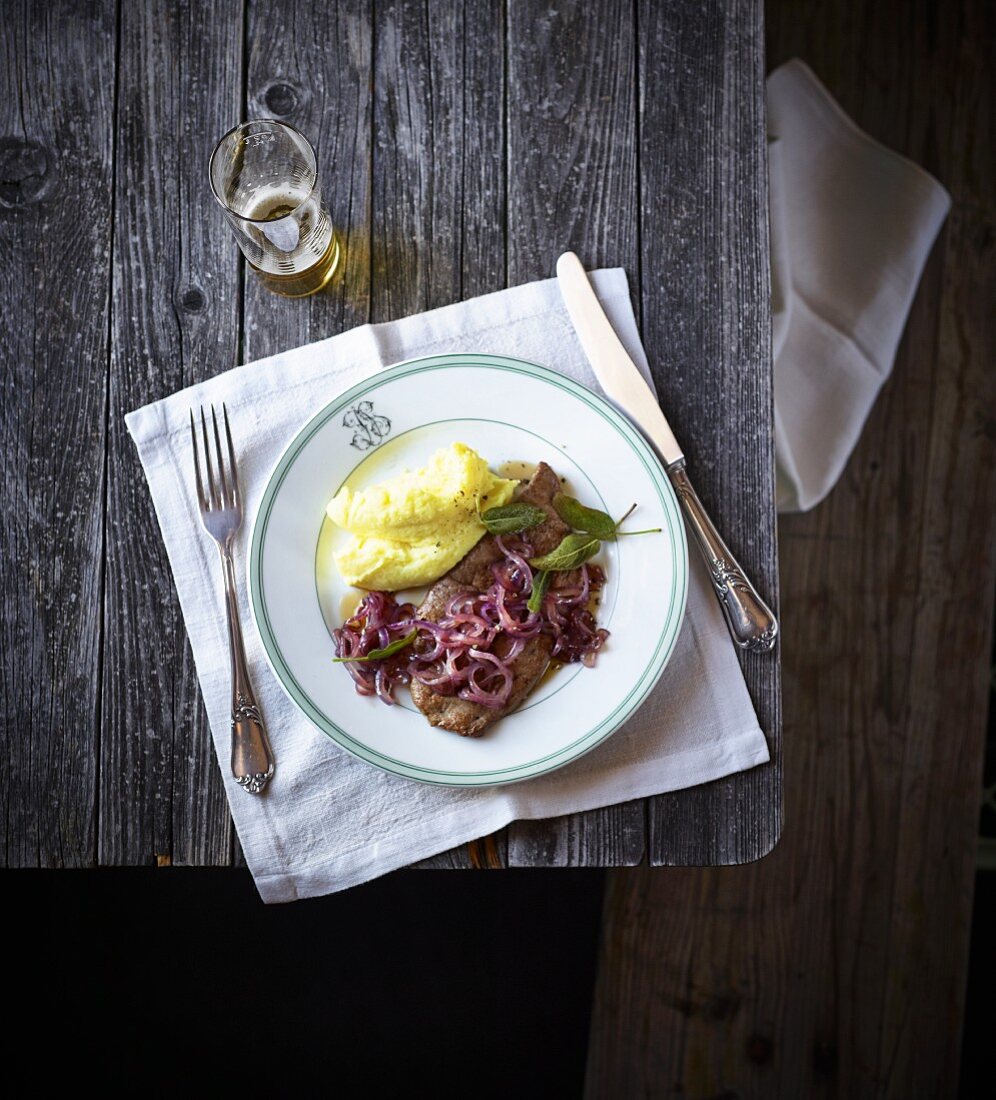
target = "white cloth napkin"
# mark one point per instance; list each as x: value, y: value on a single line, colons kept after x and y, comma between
x: 327, y: 820
x: 852, y: 224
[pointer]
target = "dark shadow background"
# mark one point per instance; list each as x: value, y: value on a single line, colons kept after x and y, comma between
x: 441, y: 983
x: 436, y: 983
x: 976, y: 1077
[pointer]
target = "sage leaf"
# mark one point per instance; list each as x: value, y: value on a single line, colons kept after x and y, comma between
x: 541, y: 582
x: 511, y: 518
x: 580, y: 518
x: 387, y: 651
x: 573, y: 551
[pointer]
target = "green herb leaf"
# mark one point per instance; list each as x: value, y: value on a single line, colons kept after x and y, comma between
x: 511, y: 518
x: 589, y: 520
x: 541, y: 582
x: 388, y: 651
x: 645, y: 531
x: 573, y: 551
x: 622, y: 519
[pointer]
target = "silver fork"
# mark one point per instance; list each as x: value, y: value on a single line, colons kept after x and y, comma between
x: 221, y: 514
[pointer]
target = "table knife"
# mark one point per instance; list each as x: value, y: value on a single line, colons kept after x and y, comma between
x: 750, y: 620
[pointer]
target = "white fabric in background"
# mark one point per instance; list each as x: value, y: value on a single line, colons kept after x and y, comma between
x: 327, y: 820
x: 852, y: 224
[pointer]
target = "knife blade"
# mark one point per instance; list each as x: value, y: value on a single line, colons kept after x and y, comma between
x: 616, y: 372
x: 751, y: 622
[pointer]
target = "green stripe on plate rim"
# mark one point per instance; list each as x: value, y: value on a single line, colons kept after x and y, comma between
x: 591, y: 738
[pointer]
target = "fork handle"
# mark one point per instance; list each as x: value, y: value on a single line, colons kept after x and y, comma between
x: 252, y: 757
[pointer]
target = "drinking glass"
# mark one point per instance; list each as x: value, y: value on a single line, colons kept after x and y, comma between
x: 265, y: 176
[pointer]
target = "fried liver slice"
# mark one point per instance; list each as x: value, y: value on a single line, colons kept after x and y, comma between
x: 473, y: 574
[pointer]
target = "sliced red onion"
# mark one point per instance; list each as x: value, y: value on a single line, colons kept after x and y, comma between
x: 469, y: 651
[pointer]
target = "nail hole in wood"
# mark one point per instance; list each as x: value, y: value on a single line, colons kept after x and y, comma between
x: 193, y: 300
x: 281, y: 99
x: 23, y: 172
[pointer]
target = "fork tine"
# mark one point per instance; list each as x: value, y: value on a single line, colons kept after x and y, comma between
x: 214, y: 502
x: 226, y: 500
x: 197, y: 464
x: 231, y: 457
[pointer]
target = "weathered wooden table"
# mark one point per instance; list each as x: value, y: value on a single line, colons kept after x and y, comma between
x: 463, y: 146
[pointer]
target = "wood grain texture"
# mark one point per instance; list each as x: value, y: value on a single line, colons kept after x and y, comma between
x: 462, y: 146
x: 438, y: 184
x: 310, y: 65
x: 438, y: 159
x: 572, y: 154
x: 707, y: 330
x: 836, y: 966
x: 56, y: 170
x: 174, y: 321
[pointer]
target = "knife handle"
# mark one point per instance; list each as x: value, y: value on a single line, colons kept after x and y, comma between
x: 749, y: 618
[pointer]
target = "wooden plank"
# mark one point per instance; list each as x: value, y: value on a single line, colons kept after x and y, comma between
x: 438, y: 161
x: 56, y: 170
x: 949, y: 664
x: 939, y: 778
x: 438, y: 182
x: 404, y: 171
x: 572, y: 156
x: 174, y: 321
x: 706, y: 327
x: 836, y: 966
x: 490, y: 853
x: 311, y: 65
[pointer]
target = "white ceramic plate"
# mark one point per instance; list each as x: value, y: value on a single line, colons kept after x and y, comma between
x: 509, y: 411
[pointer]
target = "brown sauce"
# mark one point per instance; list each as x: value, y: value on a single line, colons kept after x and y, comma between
x: 551, y: 670
x: 349, y: 603
x: 517, y: 470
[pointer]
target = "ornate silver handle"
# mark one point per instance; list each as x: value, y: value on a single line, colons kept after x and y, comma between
x: 252, y: 757
x: 749, y: 618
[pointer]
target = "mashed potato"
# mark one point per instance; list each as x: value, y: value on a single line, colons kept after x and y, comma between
x: 411, y: 529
